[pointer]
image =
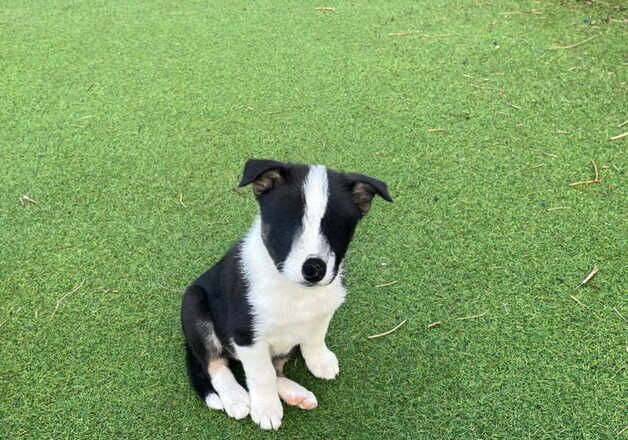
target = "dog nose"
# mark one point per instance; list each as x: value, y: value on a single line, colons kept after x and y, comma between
x: 314, y: 270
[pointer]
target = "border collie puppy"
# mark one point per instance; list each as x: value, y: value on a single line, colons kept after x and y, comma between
x: 275, y: 290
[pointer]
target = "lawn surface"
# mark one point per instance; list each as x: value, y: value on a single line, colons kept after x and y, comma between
x: 128, y: 123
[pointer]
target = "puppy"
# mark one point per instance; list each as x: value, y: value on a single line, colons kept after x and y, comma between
x: 275, y: 290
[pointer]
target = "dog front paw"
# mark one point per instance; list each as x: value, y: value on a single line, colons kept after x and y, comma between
x: 267, y: 412
x: 236, y: 403
x: 323, y: 364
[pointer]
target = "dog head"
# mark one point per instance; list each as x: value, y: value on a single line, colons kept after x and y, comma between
x: 308, y: 215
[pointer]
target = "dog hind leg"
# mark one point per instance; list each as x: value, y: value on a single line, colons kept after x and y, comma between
x: 208, y: 368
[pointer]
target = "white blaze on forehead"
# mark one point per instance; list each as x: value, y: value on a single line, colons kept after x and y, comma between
x: 311, y: 242
x: 316, y: 192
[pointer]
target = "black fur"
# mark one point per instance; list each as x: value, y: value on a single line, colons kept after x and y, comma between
x: 282, y: 212
x: 256, y: 167
x: 341, y: 216
x: 218, y: 299
x: 225, y: 301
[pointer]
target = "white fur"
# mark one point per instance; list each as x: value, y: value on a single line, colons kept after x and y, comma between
x: 311, y: 242
x: 294, y: 394
x: 285, y: 313
x: 261, y: 379
x: 234, y: 398
x: 322, y: 362
x: 213, y: 401
x: 215, y: 341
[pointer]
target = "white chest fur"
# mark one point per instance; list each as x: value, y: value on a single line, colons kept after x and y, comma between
x: 285, y: 313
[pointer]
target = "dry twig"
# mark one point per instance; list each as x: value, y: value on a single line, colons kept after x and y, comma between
x: 622, y: 124
x: 531, y: 11
x: 463, y: 318
x: 181, y: 201
x: 5, y: 321
x: 26, y: 199
x: 577, y: 300
x: 60, y: 300
x: 550, y: 154
x: 408, y: 33
x: 387, y: 284
x: 434, y: 324
x: 326, y: 8
x: 533, y: 167
x: 571, y: 46
x: 619, y: 314
x: 395, y: 328
x: 587, y: 182
x: 589, y: 276
x: 619, y: 136
x: 8, y: 318
x: 171, y: 289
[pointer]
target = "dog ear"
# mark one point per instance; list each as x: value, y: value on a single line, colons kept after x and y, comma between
x: 264, y: 174
x: 364, y: 188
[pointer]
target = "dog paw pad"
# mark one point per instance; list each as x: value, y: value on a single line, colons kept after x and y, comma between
x: 295, y: 395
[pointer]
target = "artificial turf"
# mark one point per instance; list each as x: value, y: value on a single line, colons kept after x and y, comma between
x: 126, y: 124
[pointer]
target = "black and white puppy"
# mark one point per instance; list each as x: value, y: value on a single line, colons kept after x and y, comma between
x: 276, y: 289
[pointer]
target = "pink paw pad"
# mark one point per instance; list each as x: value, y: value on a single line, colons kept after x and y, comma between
x: 296, y: 395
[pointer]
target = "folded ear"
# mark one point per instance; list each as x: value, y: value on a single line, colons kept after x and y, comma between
x: 364, y: 189
x: 264, y: 174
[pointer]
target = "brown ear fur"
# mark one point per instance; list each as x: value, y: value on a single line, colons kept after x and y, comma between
x: 263, y: 174
x: 364, y: 188
x: 266, y: 182
x: 363, y: 194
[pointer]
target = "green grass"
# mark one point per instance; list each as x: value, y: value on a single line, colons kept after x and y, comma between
x: 110, y: 110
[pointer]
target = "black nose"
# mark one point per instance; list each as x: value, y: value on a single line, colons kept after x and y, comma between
x: 314, y: 270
